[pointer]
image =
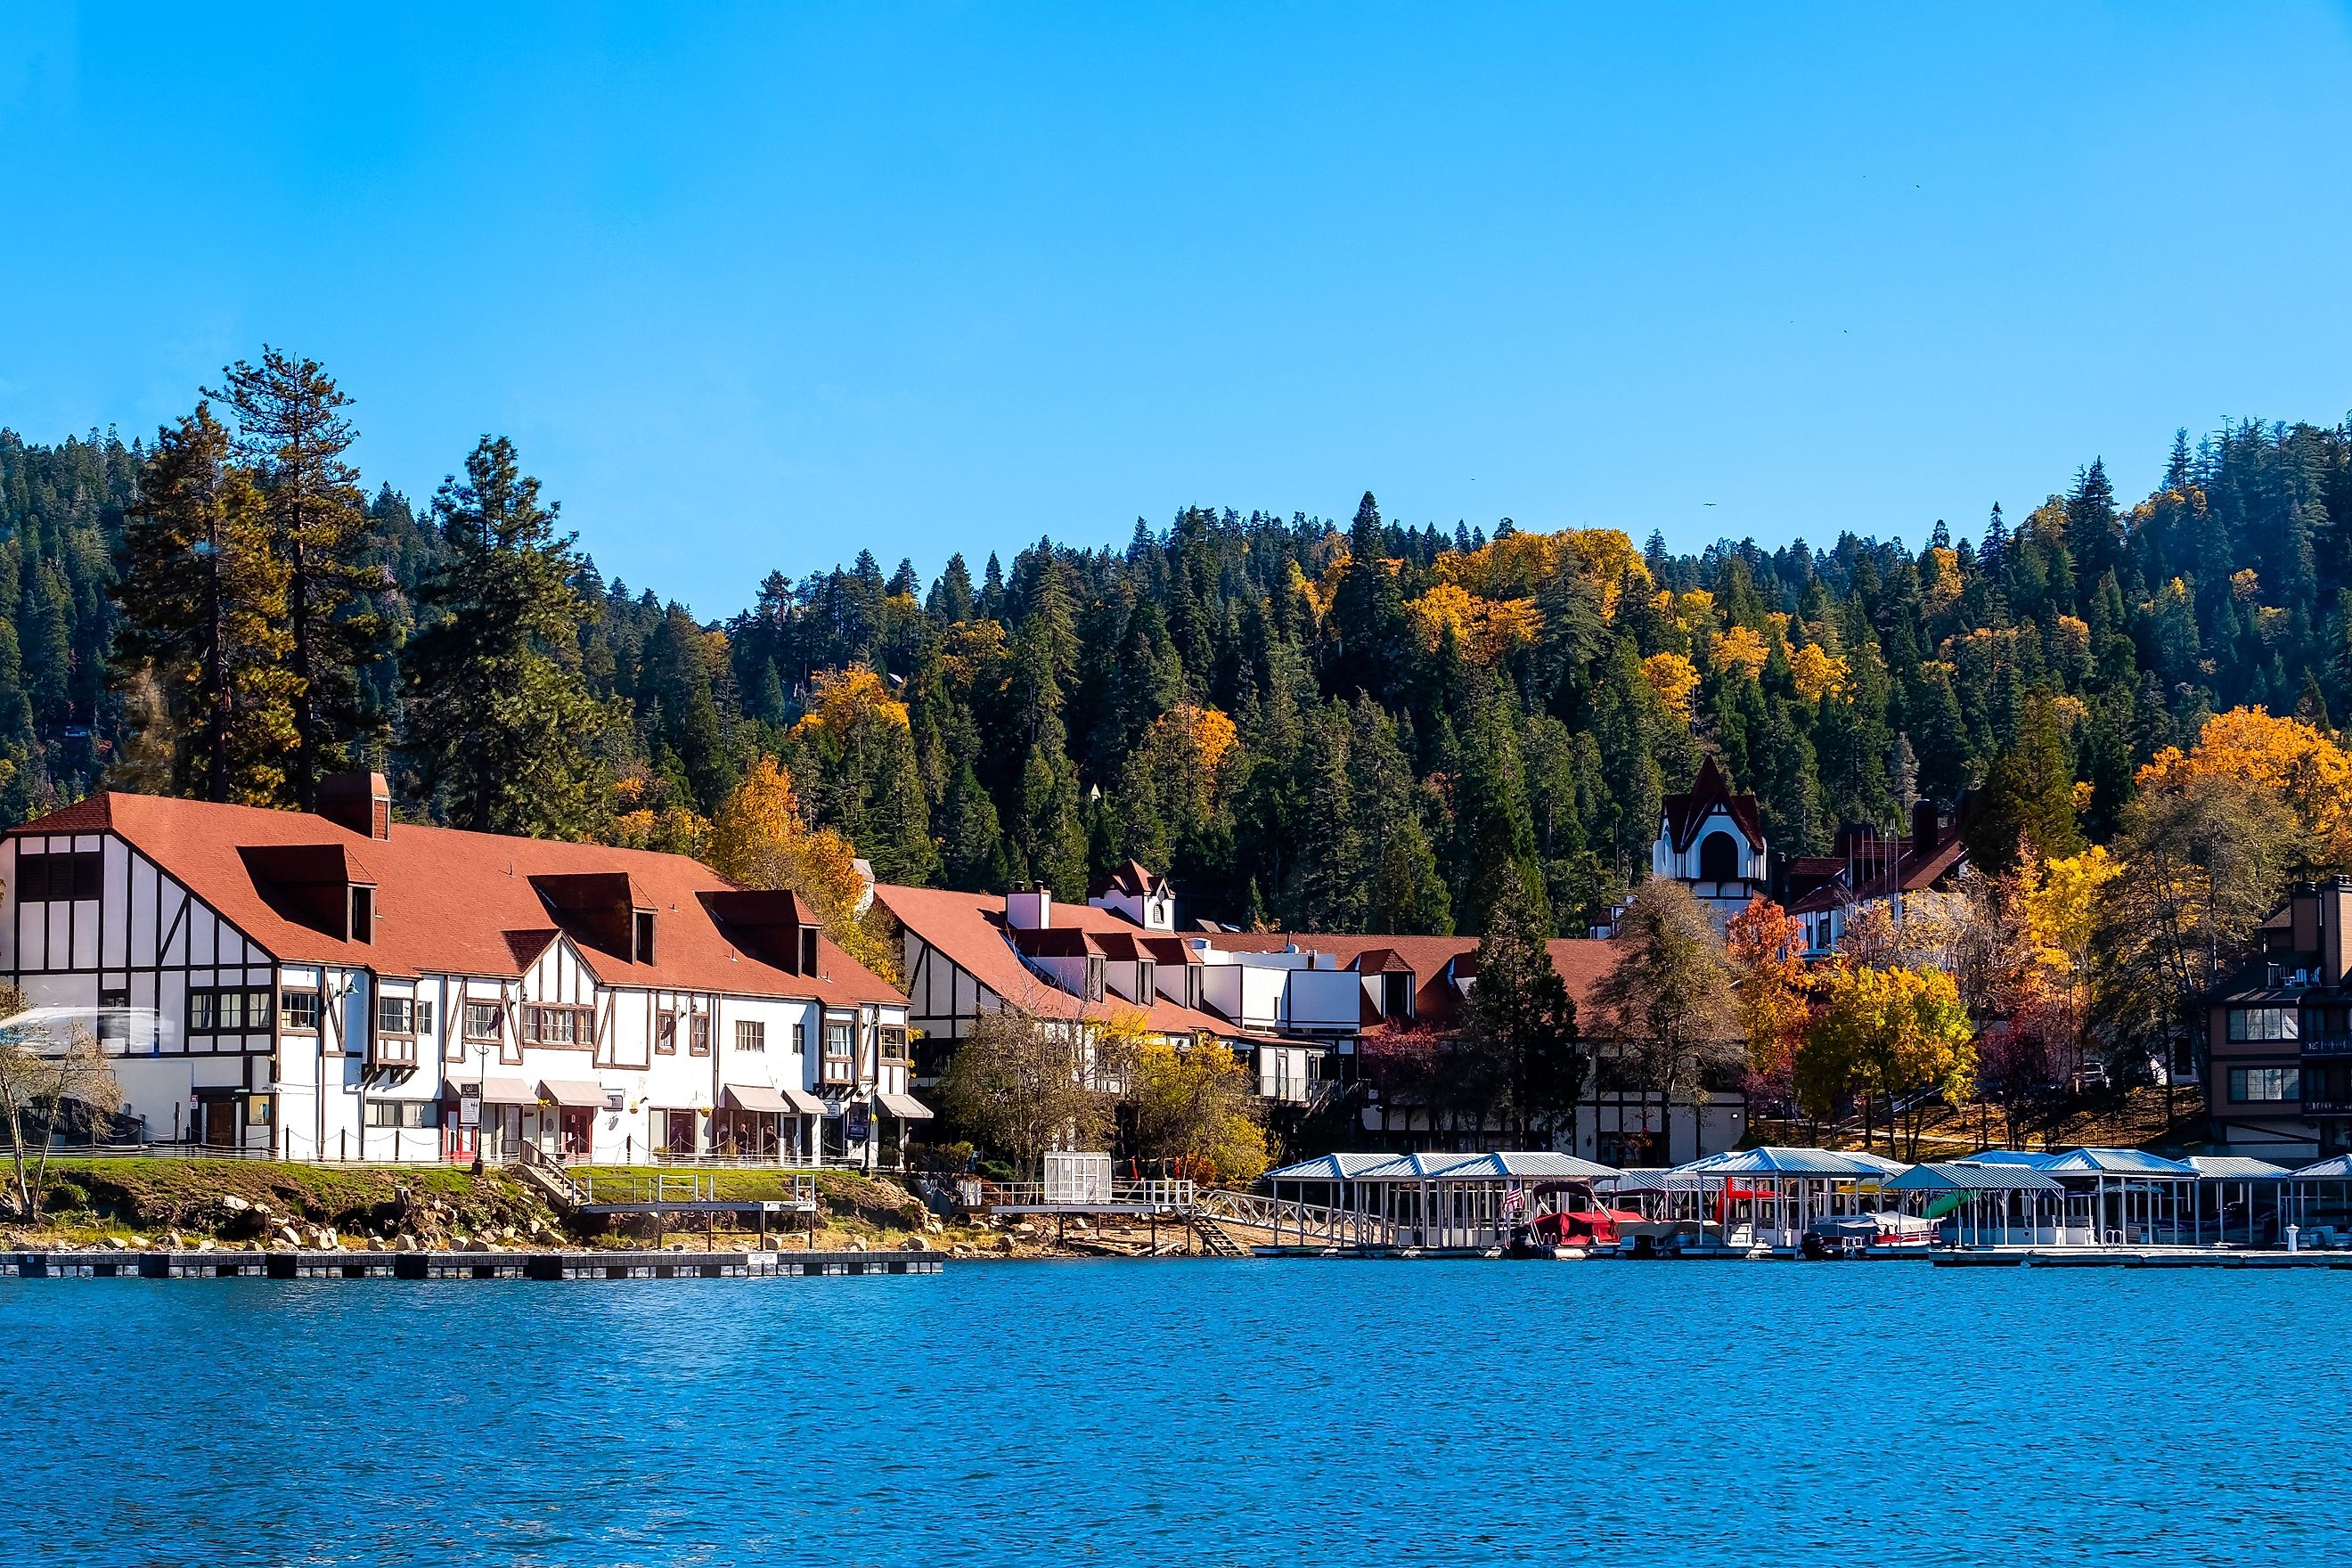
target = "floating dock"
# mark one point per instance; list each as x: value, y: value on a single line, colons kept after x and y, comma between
x: 2136, y: 1258
x: 602, y: 1264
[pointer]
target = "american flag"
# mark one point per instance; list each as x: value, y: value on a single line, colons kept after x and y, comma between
x: 1515, y: 1200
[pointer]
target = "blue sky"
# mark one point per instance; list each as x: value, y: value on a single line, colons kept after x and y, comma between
x: 753, y: 288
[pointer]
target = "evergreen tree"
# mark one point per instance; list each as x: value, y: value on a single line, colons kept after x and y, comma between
x: 1525, y: 1059
x: 2028, y: 799
x: 202, y: 597
x: 500, y: 716
x: 292, y: 433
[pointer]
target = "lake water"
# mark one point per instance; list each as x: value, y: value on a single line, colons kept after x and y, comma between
x: 1203, y: 1413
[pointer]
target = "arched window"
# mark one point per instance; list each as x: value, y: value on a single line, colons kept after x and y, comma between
x: 1719, y: 859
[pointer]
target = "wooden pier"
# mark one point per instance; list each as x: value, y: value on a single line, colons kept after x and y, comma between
x: 600, y: 1265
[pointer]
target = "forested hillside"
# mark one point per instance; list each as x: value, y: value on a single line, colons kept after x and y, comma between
x: 1339, y: 725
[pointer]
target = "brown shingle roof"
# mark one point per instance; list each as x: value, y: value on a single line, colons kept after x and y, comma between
x: 449, y: 901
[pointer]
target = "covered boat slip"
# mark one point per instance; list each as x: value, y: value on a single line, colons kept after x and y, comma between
x: 1431, y: 1202
x: 1769, y: 1197
x: 2317, y: 1201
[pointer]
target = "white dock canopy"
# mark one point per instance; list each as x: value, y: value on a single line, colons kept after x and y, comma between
x: 1989, y: 1205
x: 1433, y: 1199
x: 1770, y: 1197
x: 2324, y: 1222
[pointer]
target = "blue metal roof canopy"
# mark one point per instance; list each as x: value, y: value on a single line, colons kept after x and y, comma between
x: 1965, y: 1176
x: 1776, y: 1161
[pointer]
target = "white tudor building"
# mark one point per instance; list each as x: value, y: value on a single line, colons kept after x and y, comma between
x: 337, y: 985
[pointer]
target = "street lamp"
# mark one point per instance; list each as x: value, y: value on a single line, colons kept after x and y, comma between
x: 481, y: 1099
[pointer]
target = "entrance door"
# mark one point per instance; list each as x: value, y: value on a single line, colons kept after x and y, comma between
x: 573, y: 1132
x: 219, y: 1128
x: 678, y: 1136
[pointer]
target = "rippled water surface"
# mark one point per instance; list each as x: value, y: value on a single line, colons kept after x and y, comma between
x: 1203, y: 1413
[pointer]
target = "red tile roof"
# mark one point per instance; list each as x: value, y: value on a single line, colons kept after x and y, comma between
x: 1580, y: 961
x: 970, y: 929
x: 449, y: 901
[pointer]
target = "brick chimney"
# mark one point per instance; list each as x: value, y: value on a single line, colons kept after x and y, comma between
x: 360, y: 802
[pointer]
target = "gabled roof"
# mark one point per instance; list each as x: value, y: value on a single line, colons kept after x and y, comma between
x: 1772, y: 1161
x: 2115, y: 1162
x: 1517, y: 1164
x: 2236, y: 1168
x: 449, y: 901
x: 1686, y: 812
x: 1580, y: 961
x: 970, y: 930
x: 1135, y: 879
x: 1965, y: 1176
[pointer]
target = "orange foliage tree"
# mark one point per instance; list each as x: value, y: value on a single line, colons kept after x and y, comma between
x: 762, y: 840
x: 1766, y: 945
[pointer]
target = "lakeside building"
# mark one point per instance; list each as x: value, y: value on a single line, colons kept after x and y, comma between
x: 1312, y: 1016
x: 1868, y: 869
x: 2278, y: 1043
x: 336, y: 984
x: 1712, y: 841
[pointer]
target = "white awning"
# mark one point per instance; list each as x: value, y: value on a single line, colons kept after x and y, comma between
x: 572, y: 1094
x: 803, y: 1102
x: 757, y: 1097
x: 499, y: 1091
x: 906, y: 1107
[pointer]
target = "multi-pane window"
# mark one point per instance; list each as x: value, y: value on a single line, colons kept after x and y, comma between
x: 2249, y: 1085
x: 395, y: 1015
x: 750, y: 1036
x: 226, y: 1011
x: 893, y: 1043
x: 58, y: 877
x: 402, y: 1113
x: 697, y: 1037
x: 560, y: 1026
x: 482, y: 1020
x: 666, y: 1034
x: 2264, y: 1023
x: 299, y: 1010
x: 840, y: 1051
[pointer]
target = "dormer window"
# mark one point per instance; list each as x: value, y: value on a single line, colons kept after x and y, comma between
x: 644, y: 935
x: 808, y: 950
x: 1146, y: 982
x: 363, y: 914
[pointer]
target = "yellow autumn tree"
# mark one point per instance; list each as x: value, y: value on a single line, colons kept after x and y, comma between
x: 1887, y: 1031
x: 1819, y: 673
x: 842, y: 700
x: 2249, y: 746
x: 1484, y: 629
x: 2060, y: 902
x: 1672, y: 677
x: 760, y: 839
x: 1192, y: 1107
x: 1738, y: 648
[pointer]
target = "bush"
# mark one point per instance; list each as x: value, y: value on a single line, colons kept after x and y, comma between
x: 65, y: 1197
x: 994, y: 1170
